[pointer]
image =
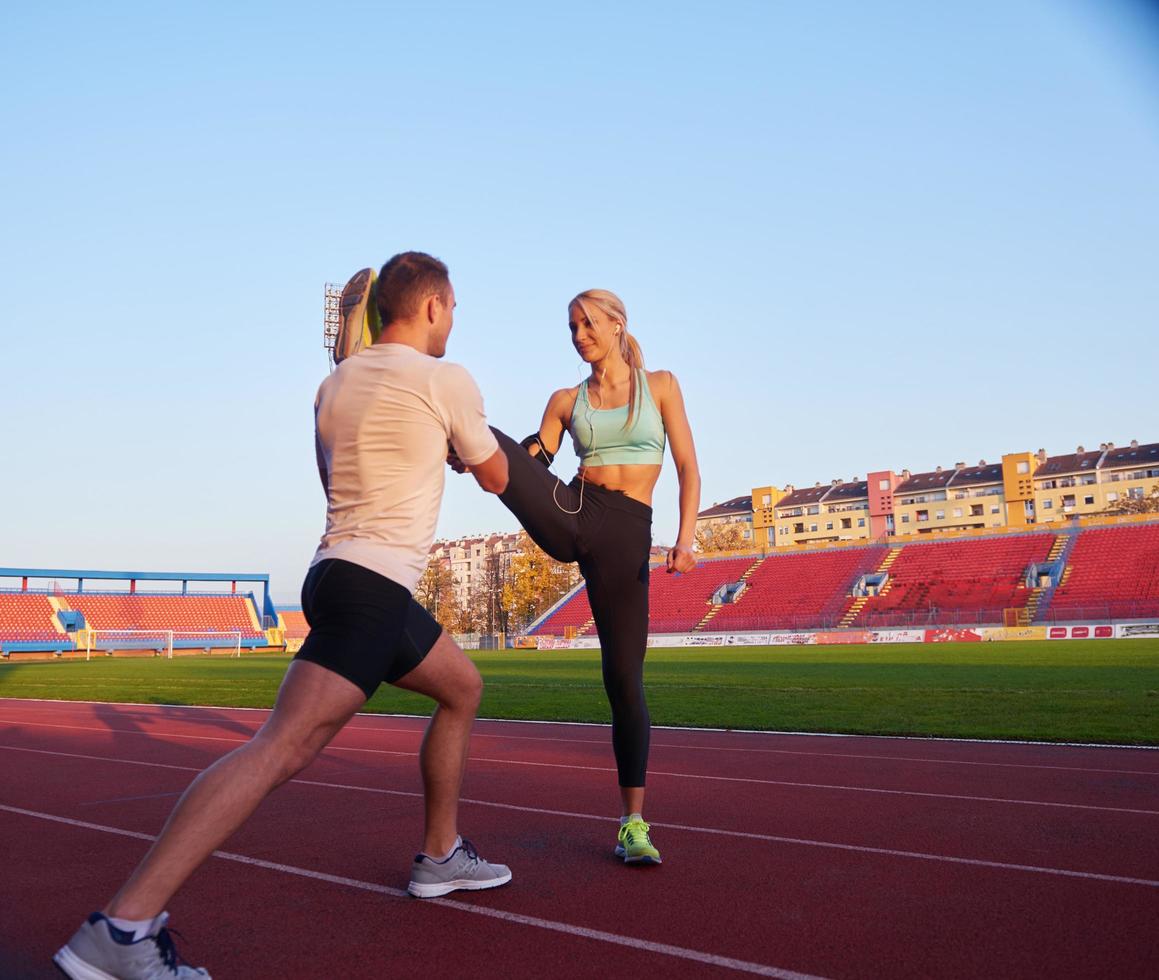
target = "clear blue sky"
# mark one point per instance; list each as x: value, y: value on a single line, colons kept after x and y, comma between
x: 863, y: 235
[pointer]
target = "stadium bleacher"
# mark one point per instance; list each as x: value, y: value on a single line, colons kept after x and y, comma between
x: 161, y: 611
x: 968, y: 581
x: 27, y: 617
x: 799, y: 591
x: 575, y: 614
x: 677, y: 603
x: 295, y: 624
x: 1112, y: 573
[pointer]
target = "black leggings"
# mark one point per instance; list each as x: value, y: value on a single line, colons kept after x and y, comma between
x: 610, y: 538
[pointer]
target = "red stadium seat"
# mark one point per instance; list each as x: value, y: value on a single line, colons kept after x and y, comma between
x: 1112, y: 573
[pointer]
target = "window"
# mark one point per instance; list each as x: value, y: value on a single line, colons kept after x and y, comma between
x: 1112, y: 497
x: 958, y: 511
x: 905, y: 518
x: 861, y: 522
x: 813, y: 510
x: 1023, y: 467
x: 1047, y: 504
x: 847, y: 522
x: 995, y: 509
x: 798, y: 528
x: 976, y: 510
x: 1089, y: 500
x: 812, y: 528
x: 747, y: 534
x: 767, y: 500
x: 829, y: 526
x: 883, y: 484
x: 939, y: 515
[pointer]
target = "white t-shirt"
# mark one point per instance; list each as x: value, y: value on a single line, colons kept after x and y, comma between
x: 383, y: 421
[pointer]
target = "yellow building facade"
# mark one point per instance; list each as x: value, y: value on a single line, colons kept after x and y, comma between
x: 1025, y: 489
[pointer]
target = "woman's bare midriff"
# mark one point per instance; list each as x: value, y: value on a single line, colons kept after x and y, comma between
x: 636, y: 480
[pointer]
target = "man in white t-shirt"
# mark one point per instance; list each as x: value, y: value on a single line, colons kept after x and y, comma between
x: 383, y: 422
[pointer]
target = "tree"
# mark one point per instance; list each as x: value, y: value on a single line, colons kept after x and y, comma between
x: 485, y: 603
x: 721, y: 537
x: 435, y: 592
x: 535, y: 583
x: 1145, y: 503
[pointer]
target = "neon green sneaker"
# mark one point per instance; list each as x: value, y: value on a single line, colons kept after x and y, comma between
x: 635, y: 846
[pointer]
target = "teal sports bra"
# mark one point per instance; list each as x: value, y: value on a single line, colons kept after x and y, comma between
x: 600, y: 438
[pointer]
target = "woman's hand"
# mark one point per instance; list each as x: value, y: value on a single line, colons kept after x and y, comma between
x: 681, y: 559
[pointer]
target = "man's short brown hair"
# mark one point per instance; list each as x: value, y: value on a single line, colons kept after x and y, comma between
x: 406, y: 281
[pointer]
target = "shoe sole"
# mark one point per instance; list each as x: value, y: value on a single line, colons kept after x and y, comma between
x: 642, y: 859
x: 352, y: 305
x: 73, y: 966
x: 420, y: 890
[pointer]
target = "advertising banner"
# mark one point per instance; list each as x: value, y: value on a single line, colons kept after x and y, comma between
x: 953, y: 635
x: 552, y: 643
x: 1013, y: 632
x: 897, y: 636
x: 792, y: 639
x: 703, y: 640
x: 1085, y: 631
x: 1138, y: 629
x: 844, y: 636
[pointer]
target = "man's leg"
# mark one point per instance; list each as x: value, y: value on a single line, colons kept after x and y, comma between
x: 447, y: 676
x: 313, y: 705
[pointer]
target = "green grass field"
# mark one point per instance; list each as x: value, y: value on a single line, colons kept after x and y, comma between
x: 1097, y: 690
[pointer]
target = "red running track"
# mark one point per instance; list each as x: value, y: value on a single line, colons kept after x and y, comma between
x: 784, y: 855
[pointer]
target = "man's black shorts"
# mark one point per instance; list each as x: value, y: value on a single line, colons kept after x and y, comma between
x: 363, y: 626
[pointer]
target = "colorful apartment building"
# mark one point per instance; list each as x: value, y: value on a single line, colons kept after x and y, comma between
x: 1023, y: 489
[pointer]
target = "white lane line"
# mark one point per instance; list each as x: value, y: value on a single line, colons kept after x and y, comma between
x: 514, y: 918
x: 376, y: 729
x: 835, y: 787
x: 153, y: 707
x: 829, y: 786
x: 714, y: 831
x: 129, y: 799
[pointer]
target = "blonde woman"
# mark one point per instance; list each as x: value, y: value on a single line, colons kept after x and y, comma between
x: 619, y: 419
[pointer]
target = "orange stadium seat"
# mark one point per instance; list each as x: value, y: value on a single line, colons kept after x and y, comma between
x: 295, y: 622
x: 27, y: 617
x: 159, y: 611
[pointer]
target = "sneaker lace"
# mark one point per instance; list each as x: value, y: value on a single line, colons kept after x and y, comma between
x: 167, y: 949
x: 469, y: 849
x: 635, y: 832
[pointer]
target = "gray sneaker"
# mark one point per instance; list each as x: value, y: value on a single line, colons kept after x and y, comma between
x: 100, y: 951
x: 463, y: 869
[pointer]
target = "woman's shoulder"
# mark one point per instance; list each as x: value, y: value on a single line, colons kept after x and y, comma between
x: 661, y: 382
x: 562, y: 399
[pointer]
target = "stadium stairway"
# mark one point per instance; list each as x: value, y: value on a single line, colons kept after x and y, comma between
x: 1110, y: 572
x: 858, y: 604
x: 1040, y: 597
x: 713, y: 610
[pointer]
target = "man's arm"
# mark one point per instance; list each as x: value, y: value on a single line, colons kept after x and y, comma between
x: 323, y: 474
x: 491, y: 474
x: 472, y: 445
